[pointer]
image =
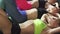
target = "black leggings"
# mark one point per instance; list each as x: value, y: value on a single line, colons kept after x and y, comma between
x: 1, y: 32
x: 15, y: 29
x: 41, y: 11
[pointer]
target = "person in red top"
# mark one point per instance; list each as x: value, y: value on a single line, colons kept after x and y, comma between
x: 27, y: 8
x: 23, y: 4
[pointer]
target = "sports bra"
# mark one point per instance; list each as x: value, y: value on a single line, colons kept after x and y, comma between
x: 39, y: 26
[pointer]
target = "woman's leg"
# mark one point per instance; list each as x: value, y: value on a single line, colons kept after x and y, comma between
x: 2, y: 12
x: 5, y: 25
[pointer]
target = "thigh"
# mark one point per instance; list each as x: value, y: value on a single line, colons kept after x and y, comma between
x: 5, y: 25
x: 2, y: 12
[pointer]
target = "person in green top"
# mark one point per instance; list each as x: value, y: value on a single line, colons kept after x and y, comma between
x: 29, y: 27
x: 37, y: 26
x: 33, y: 26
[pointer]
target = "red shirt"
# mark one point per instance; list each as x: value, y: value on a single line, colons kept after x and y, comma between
x: 23, y: 4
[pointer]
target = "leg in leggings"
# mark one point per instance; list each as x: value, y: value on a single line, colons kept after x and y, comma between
x: 15, y: 29
x: 5, y: 25
x: 41, y: 11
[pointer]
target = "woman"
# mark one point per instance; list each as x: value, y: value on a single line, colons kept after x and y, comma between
x: 41, y: 9
x: 30, y: 28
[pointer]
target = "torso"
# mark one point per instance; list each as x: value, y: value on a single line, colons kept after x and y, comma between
x: 30, y: 28
x: 27, y: 27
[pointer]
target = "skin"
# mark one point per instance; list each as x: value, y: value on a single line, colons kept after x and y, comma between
x: 2, y: 12
x: 53, y: 23
x: 34, y: 3
x: 51, y: 1
x: 54, y: 12
x: 32, y: 13
x: 5, y: 27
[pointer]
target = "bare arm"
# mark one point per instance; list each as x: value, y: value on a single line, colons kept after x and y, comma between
x: 43, y: 18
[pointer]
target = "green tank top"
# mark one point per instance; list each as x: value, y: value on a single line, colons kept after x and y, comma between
x: 39, y: 26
